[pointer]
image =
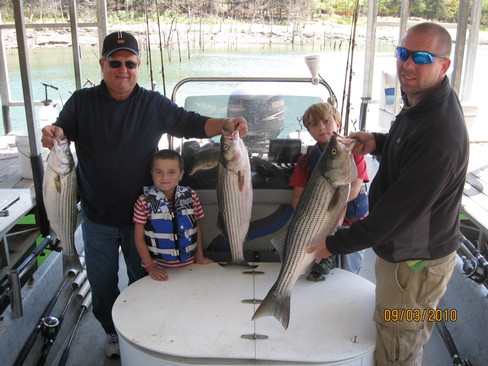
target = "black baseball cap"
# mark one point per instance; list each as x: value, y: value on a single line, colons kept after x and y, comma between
x: 117, y: 41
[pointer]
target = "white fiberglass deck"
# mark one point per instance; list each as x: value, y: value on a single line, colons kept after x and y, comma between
x: 198, y: 317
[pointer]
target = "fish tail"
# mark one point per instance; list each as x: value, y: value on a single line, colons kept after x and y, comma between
x: 71, y: 264
x: 275, y: 305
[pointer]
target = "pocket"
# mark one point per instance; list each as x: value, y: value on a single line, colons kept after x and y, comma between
x: 389, y: 288
x: 393, y: 285
x: 437, y: 276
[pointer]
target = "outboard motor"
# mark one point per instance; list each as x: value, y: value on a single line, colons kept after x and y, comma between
x: 264, y: 111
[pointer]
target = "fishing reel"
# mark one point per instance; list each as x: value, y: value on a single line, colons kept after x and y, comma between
x: 475, y: 268
x: 458, y: 361
x: 50, y: 328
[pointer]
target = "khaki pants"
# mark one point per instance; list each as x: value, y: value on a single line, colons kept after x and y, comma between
x: 405, y: 308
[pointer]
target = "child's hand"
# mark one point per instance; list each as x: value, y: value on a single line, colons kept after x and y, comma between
x: 202, y: 260
x: 158, y: 274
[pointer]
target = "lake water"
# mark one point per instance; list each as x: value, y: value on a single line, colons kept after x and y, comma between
x: 54, y: 66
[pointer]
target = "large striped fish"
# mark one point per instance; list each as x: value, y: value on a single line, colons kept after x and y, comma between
x: 316, y: 216
x: 234, y: 194
x: 60, y: 198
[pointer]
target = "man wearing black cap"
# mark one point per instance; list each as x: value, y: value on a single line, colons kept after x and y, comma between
x: 116, y: 127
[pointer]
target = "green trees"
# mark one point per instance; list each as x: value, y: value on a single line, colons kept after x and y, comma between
x: 244, y: 10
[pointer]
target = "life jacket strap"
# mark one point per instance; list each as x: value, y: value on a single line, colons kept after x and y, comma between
x: 174, y: 252
x: 170, y: 236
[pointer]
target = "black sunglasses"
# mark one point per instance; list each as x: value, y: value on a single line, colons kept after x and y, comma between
x: 419, y: 57
x: 114, y: 64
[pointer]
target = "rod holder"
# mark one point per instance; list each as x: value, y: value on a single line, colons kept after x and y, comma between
x: 14, y: 293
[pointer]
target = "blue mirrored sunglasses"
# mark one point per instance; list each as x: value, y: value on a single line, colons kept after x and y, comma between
x: 115, y: 64
x: 419, y: 57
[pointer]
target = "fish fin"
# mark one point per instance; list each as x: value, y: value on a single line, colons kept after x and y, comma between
x: 279, y: 241
x: 275, y: 305
x: 57, y: 183
x: 71, y: 264
x: 335, y: 199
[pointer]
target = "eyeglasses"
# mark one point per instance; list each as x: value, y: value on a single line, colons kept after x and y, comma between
x: 115, y: 64
x: 419, y: 57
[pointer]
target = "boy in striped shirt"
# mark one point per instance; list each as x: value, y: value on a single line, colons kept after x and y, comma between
x: 167, y: 233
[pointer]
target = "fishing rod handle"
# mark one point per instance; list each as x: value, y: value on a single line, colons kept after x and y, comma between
x: 84, y: 306
x: 64, y: 357
x: 24, y: 352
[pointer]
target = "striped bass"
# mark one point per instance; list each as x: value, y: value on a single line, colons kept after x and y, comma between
x: 234, y: 194
x: 60, y: 198
x: 316, y: 216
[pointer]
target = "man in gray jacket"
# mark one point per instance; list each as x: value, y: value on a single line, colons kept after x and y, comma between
x: 415, y: 198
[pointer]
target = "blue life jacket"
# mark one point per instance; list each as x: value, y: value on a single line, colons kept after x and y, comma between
x: 171, y: 231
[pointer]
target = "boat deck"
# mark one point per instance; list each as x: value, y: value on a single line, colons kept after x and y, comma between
x: 90, y: 336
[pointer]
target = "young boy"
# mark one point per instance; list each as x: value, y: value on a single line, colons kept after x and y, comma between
x: 166, y: 216
x: 322, y: 120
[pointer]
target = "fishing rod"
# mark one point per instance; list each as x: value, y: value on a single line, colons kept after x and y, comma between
x: 51, y: 325
x: 84, y: 307
x: 50, y: 329
x: 450, y: 345
x: 349, y: 63
x: 24, y: 352
x: 161, y: 50
x: 149, y: 48
x: 90, y: 82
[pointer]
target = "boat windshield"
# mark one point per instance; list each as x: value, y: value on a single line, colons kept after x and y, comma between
x: 276, y: 136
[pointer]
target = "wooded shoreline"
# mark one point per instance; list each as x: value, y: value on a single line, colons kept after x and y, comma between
x: 219, y: 35
x: 325, y: 35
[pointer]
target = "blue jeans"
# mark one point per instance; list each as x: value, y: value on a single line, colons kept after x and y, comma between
x: 102, y: 244
x: 351, y: 262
